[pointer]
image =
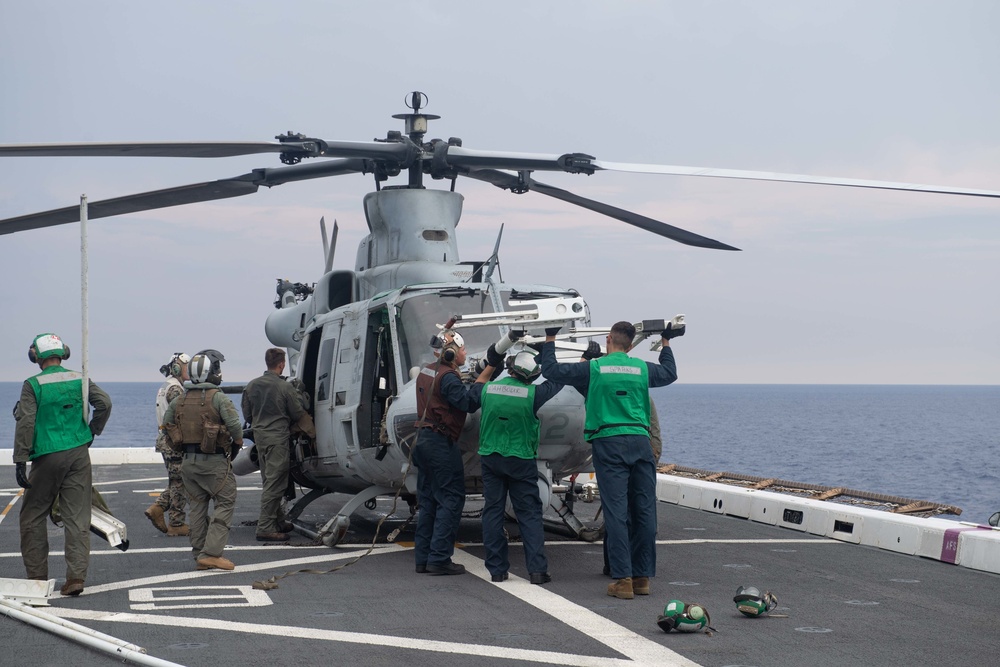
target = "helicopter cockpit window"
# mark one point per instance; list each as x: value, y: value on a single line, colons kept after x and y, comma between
x: 324, y: 370
x: 420, y: 315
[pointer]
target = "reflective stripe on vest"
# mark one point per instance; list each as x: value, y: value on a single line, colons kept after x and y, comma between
x: 59, y: 421
x: 617, y: 397
x: 508, y: 425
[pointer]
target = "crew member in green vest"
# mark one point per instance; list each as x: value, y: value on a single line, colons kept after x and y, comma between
x: 616, y: 390
x: 508, y: 447
x: 53, y: 433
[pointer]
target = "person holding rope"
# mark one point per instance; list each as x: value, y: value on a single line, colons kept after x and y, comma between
x: 443, y: 401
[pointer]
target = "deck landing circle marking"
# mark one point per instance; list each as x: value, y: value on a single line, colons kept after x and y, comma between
x: 694, y: 528
x: 785, y: 551
x: 684, y: 583
x: 861, y: 603
x: 906, y: 581
x: 815, y: 630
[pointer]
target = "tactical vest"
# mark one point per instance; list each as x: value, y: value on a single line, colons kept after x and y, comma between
x: 437, y: 413
x: 617, y: 397
x: 59, y: 420
x: 200, y: 423
x: 508, y: 425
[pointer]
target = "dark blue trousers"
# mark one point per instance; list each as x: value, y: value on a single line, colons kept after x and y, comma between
x: 518, y: 478
x: 440, y: 497
x: 626, y: 476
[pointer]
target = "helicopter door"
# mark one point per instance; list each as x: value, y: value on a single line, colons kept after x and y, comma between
x: 378, y: 385
x: 324, y: 360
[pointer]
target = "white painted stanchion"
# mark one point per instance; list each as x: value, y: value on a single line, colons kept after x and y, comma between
x: 81, y: 634
x: 84, y: 311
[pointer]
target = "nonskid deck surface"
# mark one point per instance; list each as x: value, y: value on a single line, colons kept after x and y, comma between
x: 839, y: 604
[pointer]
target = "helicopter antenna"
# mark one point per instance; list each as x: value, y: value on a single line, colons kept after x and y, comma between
x: 491, y: 264
x: 329, y: 247
x: 494, y: 259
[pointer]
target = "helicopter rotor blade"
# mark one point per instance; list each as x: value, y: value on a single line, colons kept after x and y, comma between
x: 676, y: 170
x: 185, y: 194
x: 195, y: 149
x: 516, y: 184
x: 403, y: 151
x: 586, y: 164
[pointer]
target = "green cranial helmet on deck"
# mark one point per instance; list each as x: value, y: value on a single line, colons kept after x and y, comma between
x: 683, y: 617
x: 751, y: 602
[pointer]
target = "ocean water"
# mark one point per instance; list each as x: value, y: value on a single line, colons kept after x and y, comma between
x: 936, y: 443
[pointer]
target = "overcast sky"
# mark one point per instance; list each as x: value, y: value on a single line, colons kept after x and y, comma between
x: 834, y: 285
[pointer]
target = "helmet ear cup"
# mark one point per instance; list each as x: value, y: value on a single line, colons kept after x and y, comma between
x: 65, y: 354
x: 449, y: 353
x: 32, y: 355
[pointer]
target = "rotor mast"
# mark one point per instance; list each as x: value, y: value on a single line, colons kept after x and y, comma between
x: 415, y: 126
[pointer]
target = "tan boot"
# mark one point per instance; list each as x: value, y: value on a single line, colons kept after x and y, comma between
x: 72, y: 587
x: 640, y: 585
x: 214, y: 563
x: 178, y: 531
x: 155, y: 514
x: 621, y: 589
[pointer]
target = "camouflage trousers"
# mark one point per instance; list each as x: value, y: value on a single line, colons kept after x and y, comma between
x: 173, y: 499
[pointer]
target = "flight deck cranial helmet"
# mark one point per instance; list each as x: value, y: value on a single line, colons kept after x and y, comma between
x: 447, y: 344
x: 175, y: 366
x: 683, y: 617
x: 47, y: 345
x: 750, y: 602
x: 524, y: 366
x: 206, y: 366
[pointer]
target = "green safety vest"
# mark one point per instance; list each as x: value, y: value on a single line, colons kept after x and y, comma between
x: 508, y: 425
x: 617, y: 397
x: 59, y: 421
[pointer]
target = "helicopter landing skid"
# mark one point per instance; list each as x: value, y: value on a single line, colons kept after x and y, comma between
x: 571, y: 522
x: 333, y: 531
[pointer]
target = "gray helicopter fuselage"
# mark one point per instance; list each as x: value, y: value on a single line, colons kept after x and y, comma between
x: 359, y: 363
x: 359, y: 339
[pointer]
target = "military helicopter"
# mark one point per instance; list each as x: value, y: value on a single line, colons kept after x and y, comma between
x: 357, y: 338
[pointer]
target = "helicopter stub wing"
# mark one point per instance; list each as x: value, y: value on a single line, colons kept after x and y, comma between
x: 520, y: 184
x: 185, y: 194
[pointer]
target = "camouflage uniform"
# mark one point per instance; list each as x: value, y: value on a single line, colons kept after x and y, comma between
x: 172, y: 499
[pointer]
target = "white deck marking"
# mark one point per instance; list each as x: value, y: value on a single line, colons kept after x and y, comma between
x: 161, y: 598
x: 637, y: 648
x: 10, y: 506
x: 380, y: 641
x: 279, y: 567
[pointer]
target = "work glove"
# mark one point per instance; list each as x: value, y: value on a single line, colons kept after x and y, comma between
x: 593, y: 351
x: 21, y: 473
x: 675, y: 328
x: 234, y: 449
x: 552, y: 331
x: 494, y: 358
